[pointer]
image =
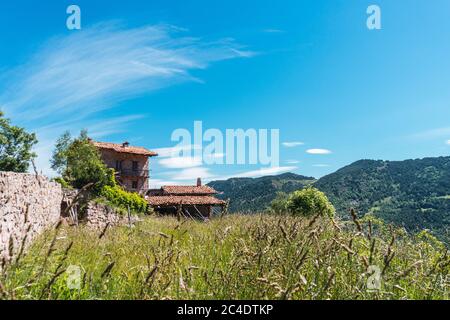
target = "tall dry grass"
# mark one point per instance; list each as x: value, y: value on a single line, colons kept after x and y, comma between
x: 237, y: 257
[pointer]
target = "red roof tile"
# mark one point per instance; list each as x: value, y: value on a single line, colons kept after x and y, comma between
x: 186, y: 200
x: 117, y: 147
x: 179, y: 190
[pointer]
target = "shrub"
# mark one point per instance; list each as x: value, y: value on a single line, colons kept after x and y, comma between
x: 124, y: 199
x: 62, y: 182
x: 308, y: 202
x: 279, y: 204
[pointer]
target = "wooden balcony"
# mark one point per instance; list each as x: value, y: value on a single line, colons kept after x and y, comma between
x: 134, y: 173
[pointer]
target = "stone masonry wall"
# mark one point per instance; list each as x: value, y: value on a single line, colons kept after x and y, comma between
x: 29, y: 204
x: 99, y: 215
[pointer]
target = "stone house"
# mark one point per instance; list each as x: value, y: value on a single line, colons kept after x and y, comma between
x: 190, y: 201
x: 130, y: 163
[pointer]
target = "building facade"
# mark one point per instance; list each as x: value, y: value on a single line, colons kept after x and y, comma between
x: 196, y: 201
x: 131, y: 164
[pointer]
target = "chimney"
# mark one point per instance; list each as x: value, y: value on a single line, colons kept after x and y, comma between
x: 125, y: 144
x: 199, y: 182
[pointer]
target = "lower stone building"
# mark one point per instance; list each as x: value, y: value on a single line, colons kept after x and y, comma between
x: 197, y: 201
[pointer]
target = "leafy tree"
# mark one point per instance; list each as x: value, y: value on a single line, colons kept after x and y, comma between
x: 15, y: 147
x: 310, y: 201
x: 59, y: 159
x: 79, y: 163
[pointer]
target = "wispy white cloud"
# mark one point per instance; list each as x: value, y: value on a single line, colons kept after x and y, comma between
x: 321, y: 165
x: 177, y: 151
x: 292, y: 161
x: 194, y: 173
x: 100, y: 129
x: 216, y: 155
x: 180, y: 162
x: 432, y: 133
x: 186, y: 161
x: 292, y: 144
x: 271, y: 30
x: 263, y: 172
x: 90, y: 70
x: 318, y: 151
x: 448, y: 142
x: 76, y: 76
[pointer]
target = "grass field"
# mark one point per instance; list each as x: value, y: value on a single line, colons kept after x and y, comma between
x: 237, y: 257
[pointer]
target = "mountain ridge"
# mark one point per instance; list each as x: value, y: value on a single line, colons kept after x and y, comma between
x: 413, y: 193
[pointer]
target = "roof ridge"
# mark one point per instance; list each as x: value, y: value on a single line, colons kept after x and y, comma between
x: 124, y: 148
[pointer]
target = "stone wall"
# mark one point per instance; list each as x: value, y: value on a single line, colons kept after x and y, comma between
x: 29, y: 204
x: 98, y: 215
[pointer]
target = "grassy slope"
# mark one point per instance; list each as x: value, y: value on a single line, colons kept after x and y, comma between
x: 238, y: 257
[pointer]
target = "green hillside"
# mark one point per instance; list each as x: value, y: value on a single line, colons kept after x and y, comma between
x: 411, y: 193
x: 414, y: 194
x: 254, y: 194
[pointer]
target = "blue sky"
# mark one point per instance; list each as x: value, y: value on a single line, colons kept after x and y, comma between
x: 312, y: 69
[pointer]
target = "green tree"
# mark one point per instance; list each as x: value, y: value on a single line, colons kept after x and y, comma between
x: 59, y: 158
x: 15, y: 147
x: 310, y: 201
x: 79, y: 163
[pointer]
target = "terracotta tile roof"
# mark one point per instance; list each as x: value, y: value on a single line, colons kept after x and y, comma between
x: 179, y: 190
x: 117, y: 147
x: 189, y: 200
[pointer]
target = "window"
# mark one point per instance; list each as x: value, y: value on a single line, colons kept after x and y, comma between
x: 134, y: 185
x: 118, y: 165
x: 135, y: 165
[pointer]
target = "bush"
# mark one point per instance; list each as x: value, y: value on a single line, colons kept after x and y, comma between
x: 62, y: 182
x: 123, y: 199
x: 279, y: 204
x: 309, y: 201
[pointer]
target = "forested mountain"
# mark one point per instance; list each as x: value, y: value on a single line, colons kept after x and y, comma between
x: 411, y: 193
x: 255, y: 194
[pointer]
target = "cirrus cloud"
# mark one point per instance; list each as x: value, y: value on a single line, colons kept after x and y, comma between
x: 78, y: 75
x: 318, y: 151
x: 292, y: 144
x: 180, y: 162
x: 90, y: 70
